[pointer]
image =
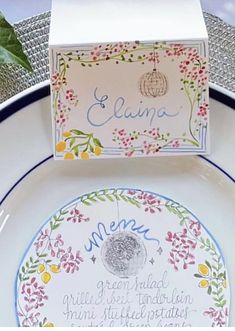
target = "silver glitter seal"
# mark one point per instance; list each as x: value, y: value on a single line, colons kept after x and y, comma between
x: 123, y: 254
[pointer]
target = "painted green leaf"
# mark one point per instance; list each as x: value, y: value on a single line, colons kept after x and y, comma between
x: 42, y: 255
x: 110, y: 198
x: 209, y: 290
x: 198, y: 276
x: 72, y: 141
x: 97, y: 142
x: 86, y: 202
x: 223, y: 303
x: 55, y: 226
x: 92, y: 199
x: 11, y: 50
x: 77, y: 132
x: 208, y: 264
x: 76, y: 151
x: 101, y: 198
x: 214, y: 284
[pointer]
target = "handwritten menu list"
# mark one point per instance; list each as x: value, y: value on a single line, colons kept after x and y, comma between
x: 149, y: 301
x: 121, y: 257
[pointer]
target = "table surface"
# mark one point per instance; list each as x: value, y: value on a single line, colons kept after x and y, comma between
x: 17, y: 10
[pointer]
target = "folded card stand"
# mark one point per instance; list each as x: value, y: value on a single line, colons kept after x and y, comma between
x: 128, y: 79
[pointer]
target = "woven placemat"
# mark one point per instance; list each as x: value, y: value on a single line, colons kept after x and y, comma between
x: 34, y: 34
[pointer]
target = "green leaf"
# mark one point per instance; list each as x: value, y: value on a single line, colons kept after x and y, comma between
x: 223, y: 303
x: 34, y: 266
x: 72, y: 141
x: 11, y: 50
x: 202, y: 240
x: 198, y: 276
x: 214, y: 284
x: 208, y: 264
x: 25, y: 278
x: 101, y: 198
x: 42, y: 255
x: 97, y: 142
x: 209, y: 290
x: 110, y: 198
x: 86, y: 202
x: 55, y: 226
x: 92, y: 199
x: 77, y: 132
x: 221, y: 298
x: 76, y: 151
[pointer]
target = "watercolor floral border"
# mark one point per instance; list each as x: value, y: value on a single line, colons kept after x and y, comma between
x: 194, y: 80
x: 51, y: 255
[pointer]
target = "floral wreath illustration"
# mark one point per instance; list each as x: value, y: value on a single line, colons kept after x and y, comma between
x: 51, y: 257
x: 194, y: 76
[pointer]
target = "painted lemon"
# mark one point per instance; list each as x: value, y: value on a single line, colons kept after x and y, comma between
x: 67, y: 134
x: 49, y: 325
x: 203, y: 270
x: 84, y: 156
x: 46, y: 277
x: 69, y: 156
x: 97, y: 150
x: 60, y: 147
x: 41, y: 268
x: 54, y: 268
x: 204, y: 283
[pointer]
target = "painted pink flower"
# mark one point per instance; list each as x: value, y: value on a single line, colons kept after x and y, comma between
x: 195, y: 228
x: 70, y: 96
x: 70, y: 262
x: 203, y: 110
x: 57, y: 81
x: 150, y: 202
x: 176, y: 144
x: 219, y: 317
x: 182, y: 247
x: 77, y: 217
x: 34, y: 297
x: 62, y: 113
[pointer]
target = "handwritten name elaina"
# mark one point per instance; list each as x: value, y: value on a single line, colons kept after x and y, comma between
x: 101, y: 112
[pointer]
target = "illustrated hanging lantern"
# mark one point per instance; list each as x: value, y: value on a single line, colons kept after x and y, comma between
x: 154, y: 83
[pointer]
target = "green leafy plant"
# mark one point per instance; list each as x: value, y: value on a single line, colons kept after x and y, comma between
x: 11, y: 50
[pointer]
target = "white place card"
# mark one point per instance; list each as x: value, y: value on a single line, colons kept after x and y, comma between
x: 141, y: 97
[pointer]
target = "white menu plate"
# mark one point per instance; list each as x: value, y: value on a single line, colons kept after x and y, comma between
x: 29, y: 197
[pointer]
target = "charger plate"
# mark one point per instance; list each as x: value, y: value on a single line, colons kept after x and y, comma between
x: 34, y: 187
